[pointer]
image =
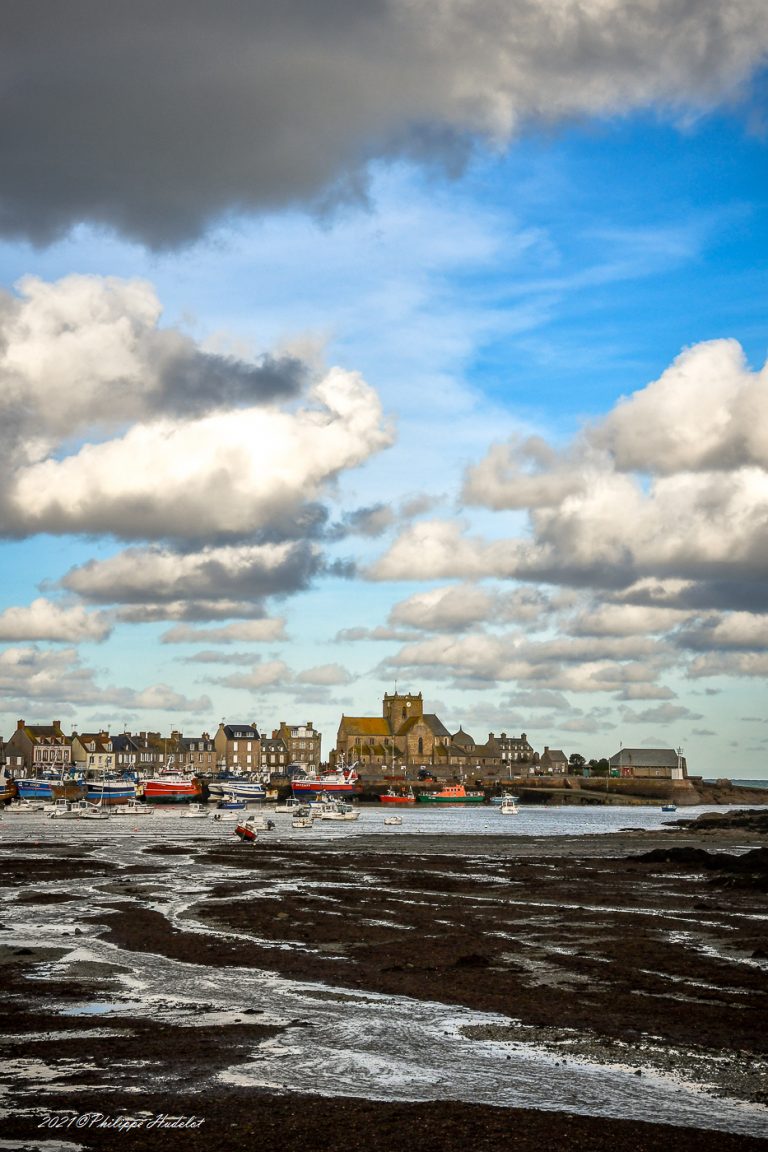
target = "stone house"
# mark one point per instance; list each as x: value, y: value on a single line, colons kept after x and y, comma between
x: 553, y: 761
x: 93, y: 752
x: 37, y: 747
x: 193, y: 754
x: 303, y: 743
x: 238, y: 747
x: 650, y: 763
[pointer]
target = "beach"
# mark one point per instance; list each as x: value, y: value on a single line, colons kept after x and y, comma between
x: 581, y: 992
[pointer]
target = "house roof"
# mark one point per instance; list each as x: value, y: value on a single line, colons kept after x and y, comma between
x: 364, y: 726
x: 646, y: 758
x: 240, y: 732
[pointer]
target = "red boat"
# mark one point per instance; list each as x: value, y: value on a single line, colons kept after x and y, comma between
x: 392, y: 796
x: 171, y: 788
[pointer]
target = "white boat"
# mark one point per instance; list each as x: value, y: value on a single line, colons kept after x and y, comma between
x: 339, y: 811
x: 509, y: 806
x: 302, y: 822
x: 291, y: 805
x: 76, y: 810
x: 19, y: 807
x: 339, y: 782
x: 88, y: 811
x: 133, y: 808
x: 393, y: 820
x: 61, y: 810
x: 194, y: 812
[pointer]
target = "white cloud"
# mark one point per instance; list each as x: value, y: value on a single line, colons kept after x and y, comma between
x: 45, y: 620
x: 708, y: 411
x: 224, y: 474
x: 701, y: 515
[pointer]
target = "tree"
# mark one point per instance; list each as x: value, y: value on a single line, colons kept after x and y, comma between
x: 576, y: 760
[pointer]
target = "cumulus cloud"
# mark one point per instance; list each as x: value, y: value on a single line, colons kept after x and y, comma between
x: 707, y: 412
x: 113, y: 424
x: 45, y: 620
x: 88, y: 352
x: 221, y: 475
x: 155, y: 119
x: 618, y: 508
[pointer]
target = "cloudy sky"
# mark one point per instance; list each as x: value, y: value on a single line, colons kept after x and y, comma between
x: 350, y: 345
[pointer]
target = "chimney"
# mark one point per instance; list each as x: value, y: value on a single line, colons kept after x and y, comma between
x: 56, y: 725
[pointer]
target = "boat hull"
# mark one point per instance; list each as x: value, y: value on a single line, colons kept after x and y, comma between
x: 426, y: 798
x: 37, y: 788
x: 397, y: 799
x: 315, y: 787
x: 122, y: 792
x: 171, y: 792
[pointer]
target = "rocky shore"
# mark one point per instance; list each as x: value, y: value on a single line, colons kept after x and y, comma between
x: 646, y: 951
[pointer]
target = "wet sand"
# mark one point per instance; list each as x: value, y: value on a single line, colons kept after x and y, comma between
x: 641, y: 949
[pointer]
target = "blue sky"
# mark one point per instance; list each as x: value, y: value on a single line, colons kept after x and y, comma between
x: 454, y: 496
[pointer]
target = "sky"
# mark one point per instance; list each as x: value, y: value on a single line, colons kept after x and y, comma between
x: 350, y: 347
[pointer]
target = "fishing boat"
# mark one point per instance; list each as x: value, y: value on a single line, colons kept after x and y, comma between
x: 340, y: 782
x: 393, y: 796
x: 241, y: 787
x: 109, y: 788
x: 509, y: 806
x: 302, y: 822
x: 451, y: 794
x: 171, y: 787
x: 669, y: 807
x: 24, y: 807
x: 50, y: 784
x: 392, y: 821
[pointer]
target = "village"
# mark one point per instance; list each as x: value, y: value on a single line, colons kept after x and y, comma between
x: 404, y: 745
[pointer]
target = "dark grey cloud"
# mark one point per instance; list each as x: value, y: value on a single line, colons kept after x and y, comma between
x: 193, y: 382
x: 155, y: 576
x: 154, y: 119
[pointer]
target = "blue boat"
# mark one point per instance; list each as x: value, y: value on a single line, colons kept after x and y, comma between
x: 230, y: 802
x: 110, y: 789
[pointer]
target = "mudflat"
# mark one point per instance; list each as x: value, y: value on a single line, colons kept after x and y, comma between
x: 637, y: 948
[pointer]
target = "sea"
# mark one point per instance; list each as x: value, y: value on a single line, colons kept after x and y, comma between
x: 170, y: 823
